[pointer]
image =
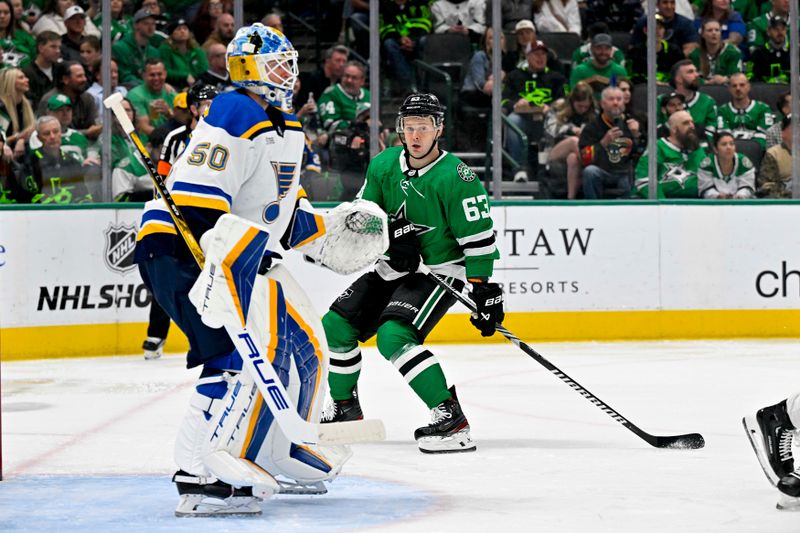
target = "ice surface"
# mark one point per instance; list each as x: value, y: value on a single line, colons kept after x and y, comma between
x: 87, y: 445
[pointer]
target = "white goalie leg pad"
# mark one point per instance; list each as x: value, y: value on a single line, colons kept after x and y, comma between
x: 204, y: 407
x: 228, y: 433
x: 356, y: 235
x: 282, y: 318
x: 234, y: 248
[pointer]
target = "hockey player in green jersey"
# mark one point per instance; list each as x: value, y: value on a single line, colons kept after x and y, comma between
x: 438, y: 210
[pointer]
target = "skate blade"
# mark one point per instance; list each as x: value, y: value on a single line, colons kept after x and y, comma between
x: 296, y: 489
x: 457, y: 443
x: 197, y: 505
x: 754, y: 435
x: 787, y: 503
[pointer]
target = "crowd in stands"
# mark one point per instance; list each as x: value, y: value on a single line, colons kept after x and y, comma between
x: 572, y: 75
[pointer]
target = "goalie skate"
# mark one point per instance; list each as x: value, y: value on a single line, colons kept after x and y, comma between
x: 201, y: 505
x: 448, y: 431
x: 211, y: 497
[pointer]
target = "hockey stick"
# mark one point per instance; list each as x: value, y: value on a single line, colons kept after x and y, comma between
x: 688, y: 441
x: 257, y: 364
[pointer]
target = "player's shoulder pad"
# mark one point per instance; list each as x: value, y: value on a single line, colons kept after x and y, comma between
x: 239, y: 115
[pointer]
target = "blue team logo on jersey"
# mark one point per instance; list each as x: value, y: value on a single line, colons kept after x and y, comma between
x: 284, y: 177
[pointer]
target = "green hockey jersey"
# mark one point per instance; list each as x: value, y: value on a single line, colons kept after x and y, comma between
x: 703, y: 110
x: 752, y: 122
x: 584, y: 52
x: 727, y: 62
x: 739, y: 183
x: 448, y: 206
x: 676, y: 170
x: 337, y: 109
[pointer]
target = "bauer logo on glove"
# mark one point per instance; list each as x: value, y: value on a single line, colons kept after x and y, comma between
x: 488, y: 298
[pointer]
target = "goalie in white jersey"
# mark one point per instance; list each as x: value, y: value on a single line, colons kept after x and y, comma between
x: 237, y: 185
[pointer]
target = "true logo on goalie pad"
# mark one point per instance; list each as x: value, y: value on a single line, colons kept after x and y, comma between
x: 120, y: 244
x: 258, y: 360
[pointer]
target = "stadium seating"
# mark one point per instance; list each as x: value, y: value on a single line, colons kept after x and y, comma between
x: 751, y: 149
x: 768, y: 92
x: 719, y: 93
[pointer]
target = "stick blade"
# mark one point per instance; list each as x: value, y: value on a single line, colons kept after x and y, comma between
x: 371, y: 430
x: 690, y: 441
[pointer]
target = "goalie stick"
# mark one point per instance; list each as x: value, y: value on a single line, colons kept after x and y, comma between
x: 258, y: 366
x: 689, y: 441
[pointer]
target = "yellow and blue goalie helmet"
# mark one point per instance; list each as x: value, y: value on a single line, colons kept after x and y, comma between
x: 262, y: 60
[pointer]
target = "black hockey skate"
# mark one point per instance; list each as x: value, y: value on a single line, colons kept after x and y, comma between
x: 790, y: 485
x: 771, y: 433
x: 343, y: 410
x: 153, y: 348
x: 210, y: 497
x: 448, y: 431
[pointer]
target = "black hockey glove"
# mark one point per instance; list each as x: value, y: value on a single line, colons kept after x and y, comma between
x: 404, y: 246
x: 488, y: 298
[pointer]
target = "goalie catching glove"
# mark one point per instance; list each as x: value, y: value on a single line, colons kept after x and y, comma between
x: 355, y: 236
x: 404, y: 247
x: 488, y: 298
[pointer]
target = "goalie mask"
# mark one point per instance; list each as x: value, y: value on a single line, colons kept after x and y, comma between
x: 262, y: 60
x: 420, y: 105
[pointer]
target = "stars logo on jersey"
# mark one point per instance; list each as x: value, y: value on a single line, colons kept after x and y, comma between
x: 419, y: 229
x: 747, y: 163
x: 465, y: 173
x: 677, y: 174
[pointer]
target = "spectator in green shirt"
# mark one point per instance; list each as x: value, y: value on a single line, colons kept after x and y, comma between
x: 715, y: 59
x: 152, y: 99
x: 60, y: 106
x: 598, y: 71
x: 134, y: 49
x: 184, y: 59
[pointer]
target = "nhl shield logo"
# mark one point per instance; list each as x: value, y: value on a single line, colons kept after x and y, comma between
x: 120, y: 244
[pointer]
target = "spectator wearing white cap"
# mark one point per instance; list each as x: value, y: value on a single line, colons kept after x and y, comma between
x: 53, y: 17
x: 75, y: 22
x: 557, y: 16
x: 525, y: 32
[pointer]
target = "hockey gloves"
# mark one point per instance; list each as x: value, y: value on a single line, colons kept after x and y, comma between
x: 404, y: 248
x: 488, y: 298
